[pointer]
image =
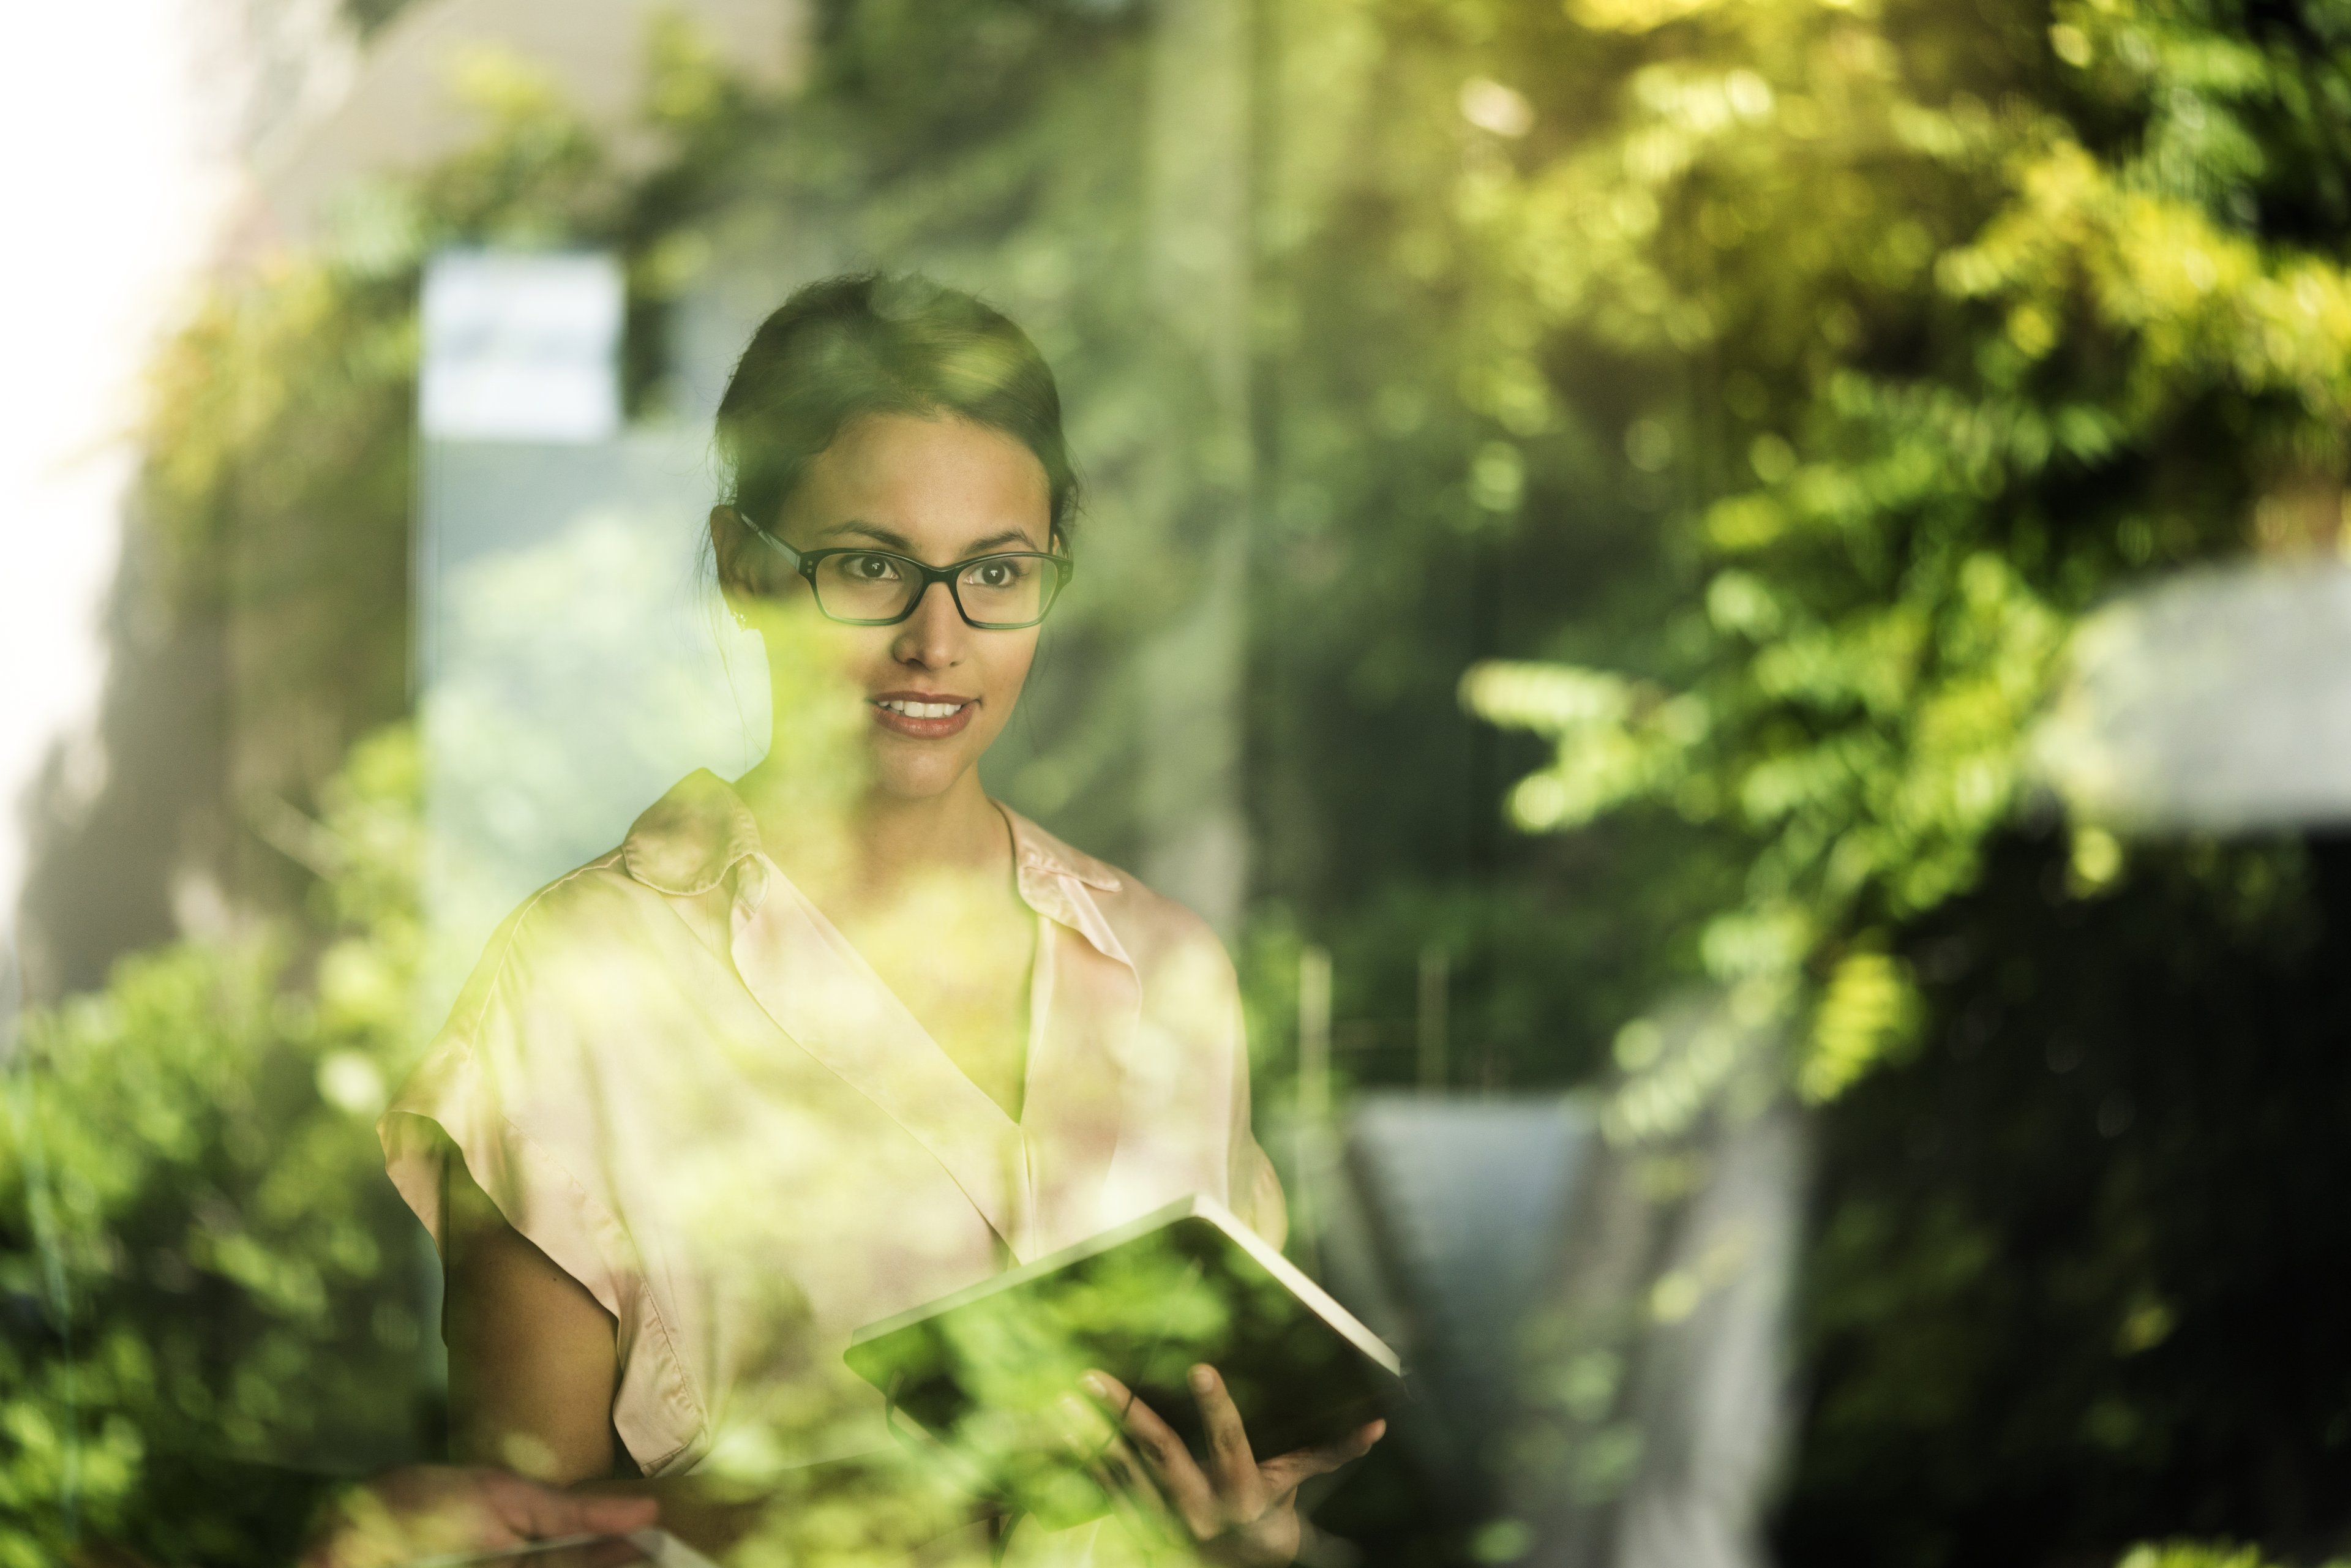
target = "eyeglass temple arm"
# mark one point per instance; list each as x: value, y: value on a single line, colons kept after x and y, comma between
x: 771, y: 541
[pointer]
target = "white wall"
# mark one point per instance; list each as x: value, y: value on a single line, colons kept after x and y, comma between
x: 113, y: 190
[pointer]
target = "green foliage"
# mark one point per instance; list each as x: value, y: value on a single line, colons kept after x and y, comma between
x: 1986, y: 332
x: 1750, y: 396
x: 218, y: 1289
x: 213, y: 1262
x: 2195, y: 1554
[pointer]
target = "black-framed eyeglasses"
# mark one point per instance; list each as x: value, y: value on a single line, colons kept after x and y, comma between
x: 859, y: 586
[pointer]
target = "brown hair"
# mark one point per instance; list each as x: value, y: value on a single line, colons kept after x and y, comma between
x: 866, y: 343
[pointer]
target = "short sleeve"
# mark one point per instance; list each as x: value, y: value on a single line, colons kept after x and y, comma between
x: 446, y: 1108
x: 511, y: 1088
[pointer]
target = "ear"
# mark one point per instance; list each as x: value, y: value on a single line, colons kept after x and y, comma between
x: 730, y: 536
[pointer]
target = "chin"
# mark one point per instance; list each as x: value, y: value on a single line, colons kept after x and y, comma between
x: 926, y: 780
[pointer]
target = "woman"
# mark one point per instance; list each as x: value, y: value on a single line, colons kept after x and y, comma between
x: 846, y: 1035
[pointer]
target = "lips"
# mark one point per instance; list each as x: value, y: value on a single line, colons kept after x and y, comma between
x: 922, y: 716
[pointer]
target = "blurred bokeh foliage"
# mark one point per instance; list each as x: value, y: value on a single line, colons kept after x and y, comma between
x: 1984, y: 331
x: 206, y: 1271
x: 1683, y: 435
x: 1982, y: 313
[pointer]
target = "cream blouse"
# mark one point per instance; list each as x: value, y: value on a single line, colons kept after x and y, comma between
x: 676, y: 1077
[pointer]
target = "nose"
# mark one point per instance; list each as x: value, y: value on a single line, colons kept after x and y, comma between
x: 932, y: 637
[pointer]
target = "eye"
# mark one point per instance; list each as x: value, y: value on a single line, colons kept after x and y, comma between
x: 1002, y: 572
x: 868, y: 567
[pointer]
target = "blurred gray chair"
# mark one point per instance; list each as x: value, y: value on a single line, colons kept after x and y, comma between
x: 1594, y: 1335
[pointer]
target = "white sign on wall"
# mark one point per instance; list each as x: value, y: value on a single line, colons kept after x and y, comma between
x: 521, y: 347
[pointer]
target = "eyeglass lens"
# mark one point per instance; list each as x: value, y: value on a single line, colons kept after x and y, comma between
x: 995, y: 590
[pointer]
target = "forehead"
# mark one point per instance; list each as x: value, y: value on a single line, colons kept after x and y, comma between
x: 940, y: 483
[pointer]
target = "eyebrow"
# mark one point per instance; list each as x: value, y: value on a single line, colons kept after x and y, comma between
x: 891, y: 539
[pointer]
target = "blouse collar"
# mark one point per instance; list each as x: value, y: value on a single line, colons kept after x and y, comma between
x: 689, y: 840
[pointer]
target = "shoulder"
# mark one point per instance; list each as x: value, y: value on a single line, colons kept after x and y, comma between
x: 676, y: 857
x: 588, y: 911
x: 1161, y: 936
x: 600, y: 923
x: 583, y: 900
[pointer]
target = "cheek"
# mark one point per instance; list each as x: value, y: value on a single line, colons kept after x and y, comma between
x: 822, y: 660
x: 858, y: 653
x: 1008, y: 664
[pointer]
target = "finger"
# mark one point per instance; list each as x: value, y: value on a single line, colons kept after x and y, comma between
x: 1083, y: 1428
x: 1128, y: 1466
x: 1121, y: 1472
x: 1180, y: 1478
x: 1234, y: 1467
x: 1133, y: 1495
x: 1137, y: 1504
x: 613, y: 1515
x: 1283, y: 1475
x: 1116, y: 1396
x: 1169, y: 1462
x: 535, y: 1512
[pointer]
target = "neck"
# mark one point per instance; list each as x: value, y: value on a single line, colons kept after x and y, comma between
x: 879, y: 844
x: 894, y: 840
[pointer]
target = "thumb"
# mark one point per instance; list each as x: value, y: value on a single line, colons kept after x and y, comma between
x: 1284, y: 1475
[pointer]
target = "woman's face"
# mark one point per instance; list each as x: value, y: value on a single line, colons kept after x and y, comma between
x: 936, y: 690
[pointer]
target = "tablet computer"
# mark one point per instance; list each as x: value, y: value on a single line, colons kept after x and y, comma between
x: 981, y: 1370
x: 637, y: 1549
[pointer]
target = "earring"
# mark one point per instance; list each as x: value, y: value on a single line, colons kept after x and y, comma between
x: 742, y: 620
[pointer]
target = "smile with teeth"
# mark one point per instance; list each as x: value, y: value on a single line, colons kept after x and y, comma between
x: 921, y: 710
